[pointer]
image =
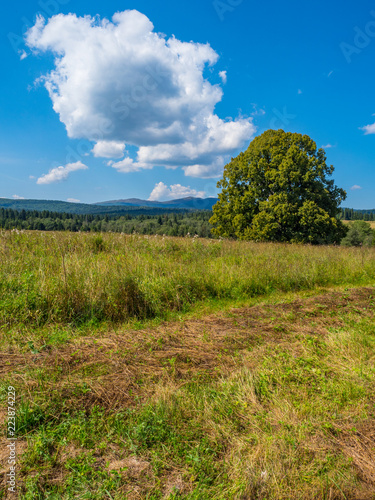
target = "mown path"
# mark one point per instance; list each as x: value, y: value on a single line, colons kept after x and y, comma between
x: 291, y: 416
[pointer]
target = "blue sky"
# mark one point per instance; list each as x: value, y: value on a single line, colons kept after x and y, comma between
x: 141, y: 111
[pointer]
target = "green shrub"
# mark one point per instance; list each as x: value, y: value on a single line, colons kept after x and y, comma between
x: 359, y: 233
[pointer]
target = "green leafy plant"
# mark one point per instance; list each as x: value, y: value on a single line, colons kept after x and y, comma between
x: 359, y: 233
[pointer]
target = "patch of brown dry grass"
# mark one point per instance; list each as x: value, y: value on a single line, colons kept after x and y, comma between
x: 127, y: 367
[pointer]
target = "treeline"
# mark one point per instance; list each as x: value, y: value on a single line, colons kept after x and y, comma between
x: 351, y: 214
x: 170, y: 224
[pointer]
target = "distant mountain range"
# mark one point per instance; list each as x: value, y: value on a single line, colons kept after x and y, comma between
x: 133, y: 206
x: 189, y: 202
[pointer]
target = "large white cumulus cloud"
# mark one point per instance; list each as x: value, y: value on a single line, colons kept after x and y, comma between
x: 120, y: 82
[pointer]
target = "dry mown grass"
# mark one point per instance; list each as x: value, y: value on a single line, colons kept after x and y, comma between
x: 245, y: 382
x: 180, y: 351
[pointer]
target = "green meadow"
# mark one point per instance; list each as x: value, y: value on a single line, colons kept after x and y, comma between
x: 151, y: 367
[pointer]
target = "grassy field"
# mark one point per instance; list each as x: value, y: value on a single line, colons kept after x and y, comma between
x: 165, y: 368
x: 77, y: 279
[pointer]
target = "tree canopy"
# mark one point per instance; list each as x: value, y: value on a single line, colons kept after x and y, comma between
x: 279, y: 189
x: 169, y: 223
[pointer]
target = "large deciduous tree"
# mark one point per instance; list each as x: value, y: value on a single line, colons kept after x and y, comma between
x: 279, y: 189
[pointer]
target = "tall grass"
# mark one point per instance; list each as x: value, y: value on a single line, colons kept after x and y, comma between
x: 73, y: 278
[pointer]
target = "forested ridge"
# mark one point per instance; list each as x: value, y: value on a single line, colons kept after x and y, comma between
x: 179, y: 223
x: 170, y: 224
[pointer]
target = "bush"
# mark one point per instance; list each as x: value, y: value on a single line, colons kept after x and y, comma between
x: 359, y: 233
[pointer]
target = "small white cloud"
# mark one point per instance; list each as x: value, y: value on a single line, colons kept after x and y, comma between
x: 128, y: 165
x: 73, y: 200
x: 109, y: 149
x: 330, y: 74
x: 223, y: 76
x: 16, y: 197
x: 368, y: 129
x: 23, y: 55
x: 59, y: 174
x: 328, y: 146
x: 355, y: 187
x: 162, y: 192
x: 300, y: 92
x: 32, y: 177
